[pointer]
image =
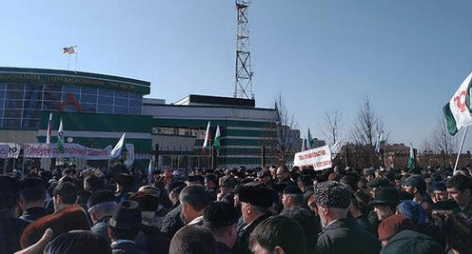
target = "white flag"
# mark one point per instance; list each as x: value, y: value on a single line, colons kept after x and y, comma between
x: 48, y: 134
x: 117, y: 149
x: 207, y: 137
x: 457, y: 111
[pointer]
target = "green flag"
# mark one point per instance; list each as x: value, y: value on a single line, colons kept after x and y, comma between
x: 216, y: 142
x: 411, y: 159
x: 311, y: 143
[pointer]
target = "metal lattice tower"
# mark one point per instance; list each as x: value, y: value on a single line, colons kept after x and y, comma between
x: 243, y: 83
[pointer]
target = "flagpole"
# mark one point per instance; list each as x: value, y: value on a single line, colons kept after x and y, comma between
x: 460, y: 149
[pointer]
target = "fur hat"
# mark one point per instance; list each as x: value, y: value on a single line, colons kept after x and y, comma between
x: 392, y: 225
x: 64, y: 220
x: 257, y: 194
x: 127, y: 216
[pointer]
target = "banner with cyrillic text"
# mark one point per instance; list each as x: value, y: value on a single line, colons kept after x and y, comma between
x: 71, y: 150
x: 319, y: 158
x: 13, y: 150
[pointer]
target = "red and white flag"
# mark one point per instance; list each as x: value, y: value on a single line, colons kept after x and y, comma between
x: 207, y: 138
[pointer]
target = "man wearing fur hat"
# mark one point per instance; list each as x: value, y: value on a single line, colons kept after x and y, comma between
x: 255, y: 198
x: 340, y: 234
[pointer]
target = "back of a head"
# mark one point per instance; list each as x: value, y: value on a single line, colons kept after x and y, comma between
x: 195, y: 195
x: 9, y: 192
x: 78, y: 242
x: 279, y: 231
x: 409, y: 241
x: 310, y: 224
x: 67, y: 191
x: 33, y: 189
x: 193, y: 240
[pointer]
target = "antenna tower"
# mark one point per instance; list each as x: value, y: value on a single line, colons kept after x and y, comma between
x: 243, y: 83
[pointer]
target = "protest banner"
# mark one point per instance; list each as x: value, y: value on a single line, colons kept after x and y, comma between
x: 71, y: 150
x: 319, y: 158
x: 4, y: 151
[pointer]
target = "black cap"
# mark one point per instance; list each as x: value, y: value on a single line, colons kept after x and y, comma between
x: 292, y: 190
x: 417, y: 182
x: 257, y: 194
x: 127, y: 216
x: 220, y: 214
x: 386, y: 196
x: 31, y: 182
x: 379, y: 182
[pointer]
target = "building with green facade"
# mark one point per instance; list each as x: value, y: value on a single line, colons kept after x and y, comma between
x: 96, y: 109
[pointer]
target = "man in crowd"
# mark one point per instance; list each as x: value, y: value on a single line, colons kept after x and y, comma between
x: 193, y: 199
x: 32, y: 197
x: 340, y: 234
x: 123, y: 228
x: 292, y: 196
x: 221, y: 219
x: 101, y: 207
x: 459, y: 188
x: 64, y: 195
x: 305, y: 183
x: 193, y: 240
x: 385, y: 202
x: 172, y: 221
x: 416, y: 187
x: 255, y: 198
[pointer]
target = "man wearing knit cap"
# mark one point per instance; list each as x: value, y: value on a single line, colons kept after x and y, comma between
x: 221, y: 218
x: 340, y: 234
x: 255, y: 198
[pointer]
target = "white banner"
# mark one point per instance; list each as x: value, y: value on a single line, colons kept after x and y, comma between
x: 319, y: 158
x: 71, y: 150
x: 13, y: 151
x: 130, y: 159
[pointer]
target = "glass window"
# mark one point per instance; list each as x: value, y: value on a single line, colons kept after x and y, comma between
x: 121, y: 94
x: 31, y: 109
x: 52, y: 96
x: 14, y: 94
x: 136, y: 104
x: 2, y: 104
x: 34, y: 95
x: 3, y: 86
x: 51, y: 105
x: 30, y: 123
x: 12, y: 123
x: 121, y: 110
x: 105, y: 92
x: 87, y: 98
x: 135, y: 96
x: 53, y: 88
x: 105, y: 100
x: 105, y: 109
x: 13, y: 113
x: 32, y: 87
x: 89, y: 107
x: 88, y: 90
x: 70, y: 89
x: 135, y: 111
x: 121, y: 102
x: 10, y: 104
x: 16, y: 87
x: 2, y: 94
x: 1, y: 113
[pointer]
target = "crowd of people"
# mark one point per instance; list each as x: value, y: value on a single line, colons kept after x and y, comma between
x: 261, y: 210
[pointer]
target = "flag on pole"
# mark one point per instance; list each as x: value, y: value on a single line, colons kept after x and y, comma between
x: 304, y: 147
x: 60, y: 137
x: 207, y: 138
x: 310, y: 144
x: 70, y: 50
x: 216, y: 142
x: 149, y: 172
x: 117, y: 149
x: 411, y: 159
x: 457, y: 110
x: 48, y: 134
x: 378, y: 144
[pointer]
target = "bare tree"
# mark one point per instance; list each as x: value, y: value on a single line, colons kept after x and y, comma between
x: 441, y: 140
x: 367, y: 130
x: 287, y: 138
x: 331, y: 128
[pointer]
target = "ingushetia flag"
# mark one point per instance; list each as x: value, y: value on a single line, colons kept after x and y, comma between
x: 60, y: 137
x: 216, y: 142
x: 457, y: 110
